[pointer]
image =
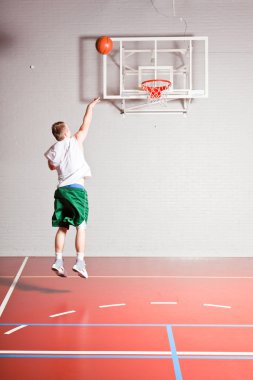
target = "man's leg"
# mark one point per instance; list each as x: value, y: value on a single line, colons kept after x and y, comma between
x: 80, y: 239
x: 80, y: 266
x: 60, y: 240
x: 59, y: 246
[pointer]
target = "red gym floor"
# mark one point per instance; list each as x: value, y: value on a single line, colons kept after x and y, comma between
x: 134, y: 318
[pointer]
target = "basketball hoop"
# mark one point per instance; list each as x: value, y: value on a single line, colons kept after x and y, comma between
x: 155, y: 89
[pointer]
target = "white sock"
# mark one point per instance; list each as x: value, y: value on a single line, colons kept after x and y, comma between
x: 58, y: 255
x: 80, y: 256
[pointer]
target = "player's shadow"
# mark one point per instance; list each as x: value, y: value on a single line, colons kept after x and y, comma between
x: 31, y: 288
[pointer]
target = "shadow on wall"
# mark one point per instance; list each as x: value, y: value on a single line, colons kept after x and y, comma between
x: 6, y: 41
x: 90, y: 69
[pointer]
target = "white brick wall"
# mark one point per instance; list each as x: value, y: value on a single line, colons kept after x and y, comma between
x: 183, y: 188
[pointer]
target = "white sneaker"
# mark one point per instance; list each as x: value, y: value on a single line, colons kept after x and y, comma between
x: 80, y: 268
x: 59, y: 268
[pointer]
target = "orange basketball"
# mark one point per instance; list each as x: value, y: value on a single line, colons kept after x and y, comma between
x: 104, y: 45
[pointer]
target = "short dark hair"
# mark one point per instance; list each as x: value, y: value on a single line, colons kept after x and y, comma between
x: 58, y: 130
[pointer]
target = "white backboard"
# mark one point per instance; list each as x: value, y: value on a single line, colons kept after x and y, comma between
x: 182, y: 60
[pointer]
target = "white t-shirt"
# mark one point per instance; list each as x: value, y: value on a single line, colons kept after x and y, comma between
x: 68, y: 157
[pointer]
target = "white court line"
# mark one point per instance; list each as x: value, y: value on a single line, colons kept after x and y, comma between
x: 59, y: 314
x: 86, y: 352
x: 14, y: 283
x: 212, y: 353
x: 119, y: 353
x: 221, y: 306
x: 16, y: 329
x: 114, y: 305
x: 163, y: 303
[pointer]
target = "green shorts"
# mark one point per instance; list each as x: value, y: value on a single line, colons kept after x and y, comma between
x: 70, y: 207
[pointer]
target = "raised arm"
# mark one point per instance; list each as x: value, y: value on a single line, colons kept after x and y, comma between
x: 81, y: 134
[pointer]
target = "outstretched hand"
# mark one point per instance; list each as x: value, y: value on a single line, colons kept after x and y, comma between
x: 94, y: 102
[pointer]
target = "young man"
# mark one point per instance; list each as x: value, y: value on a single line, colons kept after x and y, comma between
x: 71, y: 199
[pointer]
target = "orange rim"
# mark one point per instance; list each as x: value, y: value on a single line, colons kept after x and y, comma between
x: 155, y: 90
